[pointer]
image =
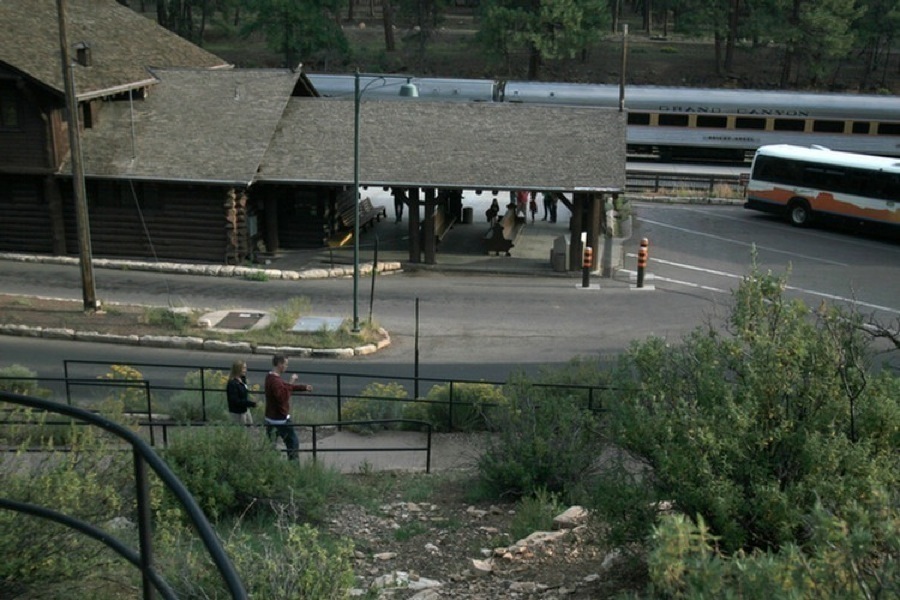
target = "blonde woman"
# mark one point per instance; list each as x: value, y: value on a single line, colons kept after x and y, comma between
x: 239, y: 395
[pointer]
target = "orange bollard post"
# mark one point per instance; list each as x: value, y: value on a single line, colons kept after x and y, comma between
x: 643, y: 254
x: 587, y: 261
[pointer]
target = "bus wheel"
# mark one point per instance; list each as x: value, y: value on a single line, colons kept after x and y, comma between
x: 799, y: 213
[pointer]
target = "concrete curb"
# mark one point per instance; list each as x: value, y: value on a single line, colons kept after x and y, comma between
x: 206, y: 270
x: 192, y: 343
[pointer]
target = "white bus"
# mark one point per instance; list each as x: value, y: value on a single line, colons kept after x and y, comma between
x: 806, y: 183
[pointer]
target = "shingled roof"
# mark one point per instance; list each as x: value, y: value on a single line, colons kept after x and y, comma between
x: 417, y: 143
x: 123, y: 45
x: 198, y: 125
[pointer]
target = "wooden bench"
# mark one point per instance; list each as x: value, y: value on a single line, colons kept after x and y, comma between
x: 443, y: 222
x: 367, y: 213
x: 501, y: 237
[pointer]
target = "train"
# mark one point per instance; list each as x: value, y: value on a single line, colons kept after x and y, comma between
x: 679, y: 123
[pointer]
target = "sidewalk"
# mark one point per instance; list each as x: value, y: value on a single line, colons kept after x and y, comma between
x: 461, y: 250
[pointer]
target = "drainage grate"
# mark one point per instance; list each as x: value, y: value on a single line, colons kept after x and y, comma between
x: 240, y: 320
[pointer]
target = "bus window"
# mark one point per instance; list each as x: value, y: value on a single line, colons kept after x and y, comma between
x: 712, y: 121
x: 820, y: 126
x: 638, y: 118
x: 670, y: 120
x: 788, y: 125
x: 824, y: 178
x: 749, y: 123
x: 777, y: 171
x: 889, y: 129
x: 861, y: 127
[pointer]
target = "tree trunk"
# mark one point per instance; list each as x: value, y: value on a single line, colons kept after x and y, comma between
x: 717, y: 44
x: 161, y: 13
x: 204, y: 9
x: 787, y: 66
x: 534, y: 62
x: 733, y: 22
x: 648, y: 16
x: 790, y: 48
x: 387, y: 11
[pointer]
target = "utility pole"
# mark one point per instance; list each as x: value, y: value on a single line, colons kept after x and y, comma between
x: 89, y: 294
x: 622, y: 74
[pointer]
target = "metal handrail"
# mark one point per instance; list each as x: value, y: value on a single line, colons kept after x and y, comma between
x: 143, y: 456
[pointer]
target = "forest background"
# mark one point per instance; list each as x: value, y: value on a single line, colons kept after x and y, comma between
x: 826, y: 45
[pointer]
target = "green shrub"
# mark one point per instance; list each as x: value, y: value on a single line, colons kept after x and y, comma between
x: 21, y: 380
x: 535, y: 513
x: 289, y: 562
x: 853, y: 557
x: 376, y: 401
x: 93, y: 483
x: 284, y: 317
x: 127, y: 393
x: 256, y: 275
x: 187, y: 405
x: 471, y: 406
x: 177, y: 321
x: 231, y: 469
x: 540, y: 444
x: 748, y: 428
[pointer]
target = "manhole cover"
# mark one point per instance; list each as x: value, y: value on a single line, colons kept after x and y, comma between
x: 306, y: 324
x: 239, y: 320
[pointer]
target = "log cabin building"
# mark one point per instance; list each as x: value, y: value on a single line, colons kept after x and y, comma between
x: 187, y: 158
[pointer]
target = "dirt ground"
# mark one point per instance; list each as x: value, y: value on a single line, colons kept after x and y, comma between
x: 41, y: 312
x: 440, y: 537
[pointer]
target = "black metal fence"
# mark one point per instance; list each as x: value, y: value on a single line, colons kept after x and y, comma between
x: 712, y: 186
x: 151, y: 391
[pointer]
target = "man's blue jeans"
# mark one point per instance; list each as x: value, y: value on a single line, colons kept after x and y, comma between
x: 288, y: 435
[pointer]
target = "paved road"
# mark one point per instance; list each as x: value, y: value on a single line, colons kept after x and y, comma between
x: 472, y: 317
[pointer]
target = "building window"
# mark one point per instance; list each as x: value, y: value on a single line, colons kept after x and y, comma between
x: 9, y: 107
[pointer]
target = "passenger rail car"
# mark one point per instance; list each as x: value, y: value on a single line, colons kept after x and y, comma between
x: 388, y: 86
x: 686, y: 123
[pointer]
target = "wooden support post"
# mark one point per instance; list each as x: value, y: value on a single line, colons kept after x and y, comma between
x: 428, y: 241
x: 415, y: 248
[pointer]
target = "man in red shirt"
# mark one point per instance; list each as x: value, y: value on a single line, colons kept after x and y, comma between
x: 278, y: 405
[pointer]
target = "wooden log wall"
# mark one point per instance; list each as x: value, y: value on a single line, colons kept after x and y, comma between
x: 183, y: 223
x: 25, y: 224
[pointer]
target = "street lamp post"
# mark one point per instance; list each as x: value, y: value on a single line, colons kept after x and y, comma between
x: 356, y: 98
x: 408, y: 89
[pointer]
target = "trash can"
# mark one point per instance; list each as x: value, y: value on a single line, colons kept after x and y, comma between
x: 467, y: 215
x: 559, y: 254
